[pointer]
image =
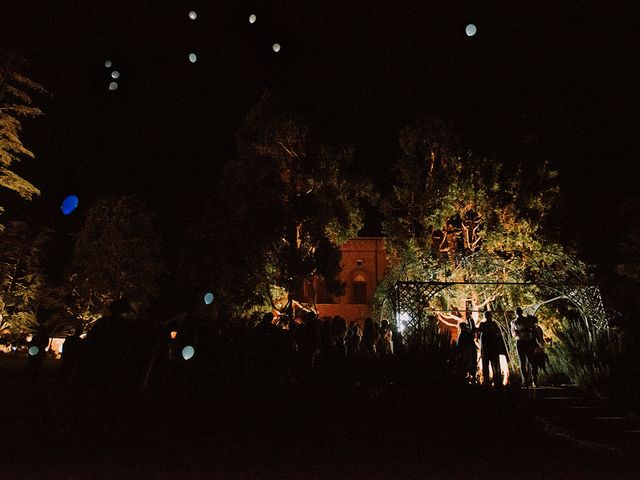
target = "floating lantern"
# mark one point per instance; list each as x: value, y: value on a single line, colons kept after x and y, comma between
x: 188, y: 352
x: 193, y: 15
x: 208, y: 298
x: 33, y: 351
x: 276, y: 47
x: 113, y: 86
x: 252, y: 18
x: 115, y: 74
x: 193, y: 57
x: 108, y: 63
x: 470, y: 30
x: 69, y: 204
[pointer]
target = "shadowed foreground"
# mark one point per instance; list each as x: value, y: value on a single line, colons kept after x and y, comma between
x: 422, y: 430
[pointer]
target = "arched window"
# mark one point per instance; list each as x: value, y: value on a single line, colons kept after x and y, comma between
x: 359, y: 288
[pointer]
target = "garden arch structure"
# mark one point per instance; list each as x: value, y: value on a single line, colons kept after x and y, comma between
x: 412, y: 299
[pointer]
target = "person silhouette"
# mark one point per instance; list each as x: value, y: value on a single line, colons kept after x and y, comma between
x: 522, y: 329
x: 491, y: 347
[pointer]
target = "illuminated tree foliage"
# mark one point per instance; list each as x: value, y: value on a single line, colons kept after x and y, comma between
x: 291, y: 201
x: 22, y: 276
x: 116, y: 254
x: 16, y: 92
x: 454, y: 216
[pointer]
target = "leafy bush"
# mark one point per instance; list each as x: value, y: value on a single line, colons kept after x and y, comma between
x: 587, y: 357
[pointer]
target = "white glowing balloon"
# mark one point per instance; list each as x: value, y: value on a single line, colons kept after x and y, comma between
x: 108, y: 63
x: 193, y: 57
x: 276, y: 47
x: 188, y: 352
x: 115, y: 74
x: 252, y: 18
x: 113, y: 86
x: 33, y: 351
x: 193, y: 15
x: 470, y: 30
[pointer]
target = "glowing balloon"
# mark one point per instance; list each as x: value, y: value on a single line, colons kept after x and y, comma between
x: 276, y: 47
x: 188, y: 352
x: 33, y: 351
x: 108, y: 63
x: 208, y: 298
x: 252, y: 18
x: 113, y: 86
x: 193, y: 15
x: 69, y: 204
x: 193, y: 57
x: 115, y: 74
x: 470, y: 30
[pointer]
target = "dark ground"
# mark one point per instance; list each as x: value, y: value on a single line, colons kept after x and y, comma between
x: 425, y: 430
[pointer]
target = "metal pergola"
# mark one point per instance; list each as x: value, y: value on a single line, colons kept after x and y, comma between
x: 412, y: 302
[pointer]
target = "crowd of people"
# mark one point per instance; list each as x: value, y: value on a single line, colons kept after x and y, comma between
x: 485, y: 343
x: 132, y: 350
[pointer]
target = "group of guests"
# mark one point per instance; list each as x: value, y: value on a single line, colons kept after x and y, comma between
x: 529, y: 343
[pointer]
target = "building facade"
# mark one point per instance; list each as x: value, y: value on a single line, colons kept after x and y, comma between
x: 364, y: 262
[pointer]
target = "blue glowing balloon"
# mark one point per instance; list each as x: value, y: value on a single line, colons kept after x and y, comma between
x: 188, y: 352
x: 471, y: 30
x: 33, y: 351
x: 208, y: 298
x: 69, y: 204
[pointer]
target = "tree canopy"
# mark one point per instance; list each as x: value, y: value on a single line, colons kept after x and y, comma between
x: 457, y: 217
x: 117, y: 253
x: 16, y: 104
x: 292, y: 202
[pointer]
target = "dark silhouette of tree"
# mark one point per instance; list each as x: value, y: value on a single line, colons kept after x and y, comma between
x: 22, y: 275
x: 290, y: 204
x: 116, y: 254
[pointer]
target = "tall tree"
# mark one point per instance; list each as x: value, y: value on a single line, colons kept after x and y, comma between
x: 454, y: 216
x: 16, y: 97
x: 22, y: 275
x: 292, y: 202
x: 117, y: 253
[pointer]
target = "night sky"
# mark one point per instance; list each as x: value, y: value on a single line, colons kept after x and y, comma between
x: 557, y: 80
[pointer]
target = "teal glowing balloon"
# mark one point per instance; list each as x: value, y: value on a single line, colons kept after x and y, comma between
x: 69, y: 204
x: 471, y: 30
x: 208, y: 298
x: 33, y: 351
x: 188, y: 352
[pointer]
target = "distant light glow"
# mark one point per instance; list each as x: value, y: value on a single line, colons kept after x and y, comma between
x: 33, y: 351
x: 115, y: 74
x: 193, y: 57
x: 188, y: 352
x: 108, y: 63
x: 113, y: 86
x: 402, y: 320
x: 208, y: 298
x: 173, y: 334
x: 470, y: 30
x: 69, y: 204
x: 276, y: 47
x: 193, y: 15
x: 252, y: 18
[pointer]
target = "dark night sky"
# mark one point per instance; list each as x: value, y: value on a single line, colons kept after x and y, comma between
x: 562, y: 72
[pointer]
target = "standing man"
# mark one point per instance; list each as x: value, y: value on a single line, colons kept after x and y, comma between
x: 491, y: 347
x: 522, y: 329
